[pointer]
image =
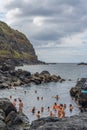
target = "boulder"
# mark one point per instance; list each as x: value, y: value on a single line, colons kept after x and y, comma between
x: 14, y: 118
x: 11, y: 77
x: 2, y: 125
x: 4, y: 85
x: 10, y: 119
x: 74, y: 91
x: 36, y: 80
x: 79, y: 92
x: 54, y: 78
x: 45, y: 72
x: 6, y: 67
x: 6, y: 106
x: 2, y: 115
x: 68, y: 123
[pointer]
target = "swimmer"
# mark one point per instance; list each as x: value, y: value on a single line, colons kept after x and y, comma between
x: 61, y: 106
x: 55, y: 106
x: 42, y: 109
x: 48, y: 108
x: 15, y: 88
x: 35, y: 91
x: 64, y: 106
x: 24, y: 92
x: 10, y: 97
x: 33, y: 110
x: 38, y: 98
x: 56, y: 97
x: 41, y: 98
x: 38, y: 114
x: 70, y: 107
x: 52, y: 114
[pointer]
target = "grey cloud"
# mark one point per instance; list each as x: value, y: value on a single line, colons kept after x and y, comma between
x: 61, y: 18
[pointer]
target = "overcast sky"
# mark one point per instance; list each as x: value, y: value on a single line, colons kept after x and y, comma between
x: 56, y: 28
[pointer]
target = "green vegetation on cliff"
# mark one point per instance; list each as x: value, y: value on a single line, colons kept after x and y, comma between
x: 15, y: 45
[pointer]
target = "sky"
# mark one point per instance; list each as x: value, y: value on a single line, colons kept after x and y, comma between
x: 56, y: 28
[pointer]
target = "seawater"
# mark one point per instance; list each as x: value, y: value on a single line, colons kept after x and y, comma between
x: 49, y: 90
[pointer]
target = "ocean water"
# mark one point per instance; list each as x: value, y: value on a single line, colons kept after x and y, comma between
x: 49, y: 90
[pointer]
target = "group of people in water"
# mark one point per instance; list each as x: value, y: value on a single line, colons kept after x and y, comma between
x: 20, y: 104
x: 56, y: 109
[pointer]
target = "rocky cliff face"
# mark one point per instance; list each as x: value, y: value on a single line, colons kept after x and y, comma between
x: 15, y: 46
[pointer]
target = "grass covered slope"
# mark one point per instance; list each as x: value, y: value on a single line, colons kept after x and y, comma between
x: 15, y: 45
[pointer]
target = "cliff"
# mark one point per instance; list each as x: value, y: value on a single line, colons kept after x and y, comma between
x: 14, y: 46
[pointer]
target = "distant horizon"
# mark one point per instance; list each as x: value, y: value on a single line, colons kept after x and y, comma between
x: 65, y: 62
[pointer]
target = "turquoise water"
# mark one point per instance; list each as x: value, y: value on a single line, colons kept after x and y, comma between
x: 48, y: 91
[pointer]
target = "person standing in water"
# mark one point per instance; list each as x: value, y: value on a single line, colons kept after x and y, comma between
x: 70, y: 107
x: 20, y: 106
x: 38, y: 114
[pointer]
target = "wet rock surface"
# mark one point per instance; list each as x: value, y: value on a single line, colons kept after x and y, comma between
x: 79, y: 92
x: 9, y: 77
x: 53, y: 123
x: 10, y: 119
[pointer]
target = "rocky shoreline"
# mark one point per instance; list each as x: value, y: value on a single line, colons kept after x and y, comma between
x: 9, y: 77
x: 79, y: 93
x: 77, y: 122
x: 10, y: 119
